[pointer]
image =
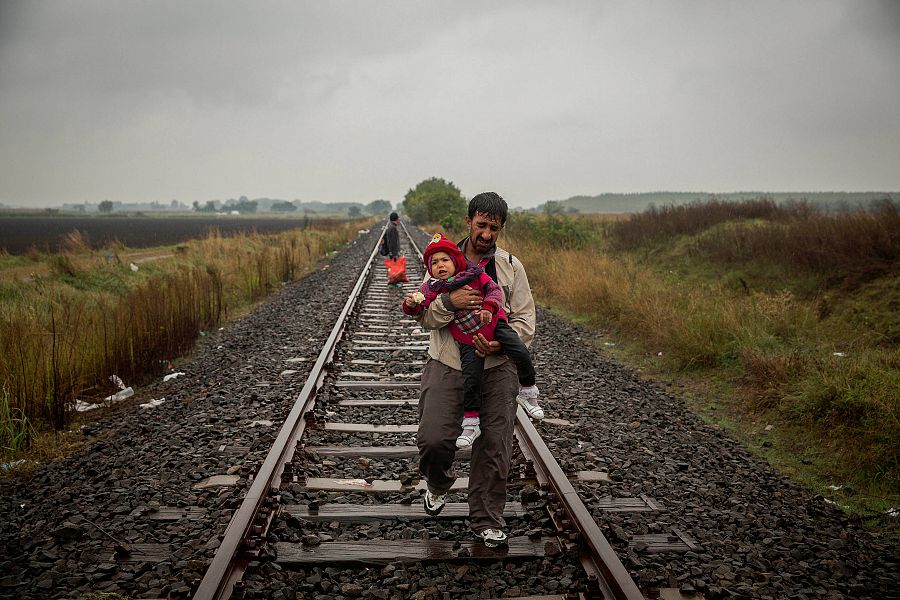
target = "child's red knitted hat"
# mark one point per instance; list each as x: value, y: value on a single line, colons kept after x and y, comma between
x: 439, y: 243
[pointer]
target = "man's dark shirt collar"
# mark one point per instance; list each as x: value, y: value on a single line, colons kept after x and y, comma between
x: 487, y: 261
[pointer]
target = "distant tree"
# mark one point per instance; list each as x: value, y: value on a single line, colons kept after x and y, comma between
x: 553, y: 207
x: 245, y: 206
x: 105, y: 207
x: 354, y: 211
x: 283, y: 206
x: 378, y: 207
x: 209, y: 207
x: 434, y: 201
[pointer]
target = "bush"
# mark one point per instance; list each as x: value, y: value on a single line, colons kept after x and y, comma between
x: 435, y: 201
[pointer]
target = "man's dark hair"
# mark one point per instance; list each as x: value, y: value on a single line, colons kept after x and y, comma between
x: 394, y: 216
x: 491, y: 204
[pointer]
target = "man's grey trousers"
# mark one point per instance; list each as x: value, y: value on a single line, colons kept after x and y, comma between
x: 440, y: 423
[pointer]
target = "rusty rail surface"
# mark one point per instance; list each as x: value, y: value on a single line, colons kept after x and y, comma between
x: 255, y: 512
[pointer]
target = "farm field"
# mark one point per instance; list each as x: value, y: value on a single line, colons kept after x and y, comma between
x: 47, y: 234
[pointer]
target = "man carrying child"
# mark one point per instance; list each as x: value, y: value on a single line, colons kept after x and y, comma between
x: 441, y: 395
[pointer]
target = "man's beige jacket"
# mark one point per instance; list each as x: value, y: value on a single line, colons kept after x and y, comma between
x: 518, y: 304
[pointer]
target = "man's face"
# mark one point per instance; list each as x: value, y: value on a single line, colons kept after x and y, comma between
x: 483, y: 231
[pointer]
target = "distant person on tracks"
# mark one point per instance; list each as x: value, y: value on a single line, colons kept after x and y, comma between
x: 392, y: 236
x: 441, y: 394
x: 449, y: 271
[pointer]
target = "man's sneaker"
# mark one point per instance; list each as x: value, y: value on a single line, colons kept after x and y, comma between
x: 471, y: 430
x: 492, y: 538
x: 528, y: 399
x: 434, y: 503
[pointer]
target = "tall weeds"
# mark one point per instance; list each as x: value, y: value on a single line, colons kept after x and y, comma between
x: 779, y: 348
x: 64, y: 335
x: 669, y: 221
x: 847, y: 248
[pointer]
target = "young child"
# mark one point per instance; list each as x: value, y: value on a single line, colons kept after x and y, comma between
x: 449, y: 271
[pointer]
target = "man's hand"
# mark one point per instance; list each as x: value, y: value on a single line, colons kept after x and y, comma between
x: 485, y: 316
x: 465, y: 298
x: 483, y: 347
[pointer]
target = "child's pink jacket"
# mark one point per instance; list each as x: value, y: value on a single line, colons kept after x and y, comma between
x: 466, y: 323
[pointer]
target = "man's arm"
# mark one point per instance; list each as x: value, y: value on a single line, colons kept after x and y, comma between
x: 440, y: 311
x: 436, y: 315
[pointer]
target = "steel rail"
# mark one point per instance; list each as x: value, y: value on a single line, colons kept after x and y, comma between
x: 597, y: 556
x: 226, y: 568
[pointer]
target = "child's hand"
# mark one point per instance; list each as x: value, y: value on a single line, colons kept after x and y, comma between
x: 485, y: 316
x: 410, y: 300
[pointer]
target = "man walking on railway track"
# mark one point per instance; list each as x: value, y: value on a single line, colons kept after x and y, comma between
x: 441, y: 395
x: 392, y: 236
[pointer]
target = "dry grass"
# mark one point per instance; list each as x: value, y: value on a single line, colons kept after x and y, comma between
x: 64, y: 334
x: 821, y: 374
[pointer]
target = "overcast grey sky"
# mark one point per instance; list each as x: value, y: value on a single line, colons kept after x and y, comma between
x: 354, y: 101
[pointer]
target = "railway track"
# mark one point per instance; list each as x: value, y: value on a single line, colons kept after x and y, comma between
x: 369, y: 365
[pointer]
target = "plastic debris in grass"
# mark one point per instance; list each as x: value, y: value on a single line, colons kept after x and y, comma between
x: 82, y: 406
x: 153, y: 403
x: 171, y: 376
x: 838, y: 354
x: 13, y: 464
x: 121, y: 395
x: 117, y: 381
x: 134, y: 267
x: 893, y: 512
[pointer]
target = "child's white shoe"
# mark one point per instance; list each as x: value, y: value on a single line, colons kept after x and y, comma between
x: 471, y: 431
x: 528, y: 399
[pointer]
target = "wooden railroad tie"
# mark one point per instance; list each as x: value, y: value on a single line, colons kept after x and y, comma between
x: 382, y: 552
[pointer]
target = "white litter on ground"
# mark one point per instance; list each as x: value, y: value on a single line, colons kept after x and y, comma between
x: 119, y: 396
x: 153, y: 403
x: 171, y: 376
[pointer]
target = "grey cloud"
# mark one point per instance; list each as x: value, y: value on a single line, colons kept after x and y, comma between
x: 334, y: 101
